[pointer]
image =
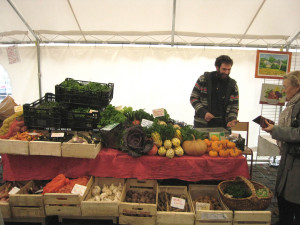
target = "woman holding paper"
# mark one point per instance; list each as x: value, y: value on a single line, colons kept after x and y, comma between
x: 287, y: 134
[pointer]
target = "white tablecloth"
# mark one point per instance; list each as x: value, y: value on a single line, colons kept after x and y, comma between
x: 267, y: 146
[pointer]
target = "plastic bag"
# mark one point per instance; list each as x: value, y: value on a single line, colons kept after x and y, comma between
x: 7, y: 107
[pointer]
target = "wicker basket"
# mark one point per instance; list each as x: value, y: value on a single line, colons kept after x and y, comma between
x: 250, y: 203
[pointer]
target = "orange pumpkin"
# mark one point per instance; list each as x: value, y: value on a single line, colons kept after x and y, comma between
x: 214, y: 138
x: 230, y: 144
x: 224, y: 153
x: 235, y: 152
x: 224, y: 143
x: 194, y: 147
x: 216, y: 145
x: 213, y: 153
x: 208, y: 142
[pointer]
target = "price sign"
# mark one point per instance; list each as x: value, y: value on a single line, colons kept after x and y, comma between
x: 202, y: 206
x: 18, y: 108
x: 14, y: 190
x: 158, y: 112
x: 56, y: 135
x: 146, y: 123
x: 78, y: 189
x: 110, y: 127
x: 177, y: 202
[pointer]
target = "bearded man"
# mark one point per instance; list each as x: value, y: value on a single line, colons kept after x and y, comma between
x: 215, y: 97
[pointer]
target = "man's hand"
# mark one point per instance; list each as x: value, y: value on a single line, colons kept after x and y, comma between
x: 269, y: 128
x: 232, y: 123
x: 208, y: 116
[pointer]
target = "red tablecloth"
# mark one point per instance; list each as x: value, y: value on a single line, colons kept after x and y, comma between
x: 114, y: 163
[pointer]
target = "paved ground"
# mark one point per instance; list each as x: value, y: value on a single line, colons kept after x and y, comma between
x: 262, y: 173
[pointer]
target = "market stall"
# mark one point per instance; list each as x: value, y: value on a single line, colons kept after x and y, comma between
x: 114, y: 163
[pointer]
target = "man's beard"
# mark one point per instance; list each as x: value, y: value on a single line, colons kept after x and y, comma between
x: 222, y: 76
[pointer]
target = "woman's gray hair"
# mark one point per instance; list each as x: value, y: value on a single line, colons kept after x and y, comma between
x: 294, y: 77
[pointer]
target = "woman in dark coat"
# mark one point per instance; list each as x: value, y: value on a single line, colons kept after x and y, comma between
x: 287, y: 134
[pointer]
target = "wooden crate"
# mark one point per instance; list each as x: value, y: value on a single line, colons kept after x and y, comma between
x: 64, y: 204
x: 138, y: 213
x: 4, y: 206
x: 174, y: 218
x: 45, y: 148
x: 208, y: 217
x: 108, y: 209
x: 15, y: 147
x: 27, y: 205
x: 252, y: 217
x: 79, y: 150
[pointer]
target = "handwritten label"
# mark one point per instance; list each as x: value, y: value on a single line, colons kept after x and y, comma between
x: 78, y: 189
x: 178, y: 203
x: 55, y: 135
x: 14, y: 190
x: 18, y: 108
x: 93, y: 110
x: 202, y: 206
x: 146, y: 123
x: 158, y: 112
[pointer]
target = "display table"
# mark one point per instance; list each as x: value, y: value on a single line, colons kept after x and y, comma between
x: 267, y: 146
x: 114, y: 163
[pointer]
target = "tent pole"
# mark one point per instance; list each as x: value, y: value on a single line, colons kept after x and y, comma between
x: 173, y: 23
x: 39, y: 67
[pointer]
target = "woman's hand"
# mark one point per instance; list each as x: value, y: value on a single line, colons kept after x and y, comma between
x: 269, y: 127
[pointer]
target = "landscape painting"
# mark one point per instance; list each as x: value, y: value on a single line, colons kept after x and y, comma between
x: 272, y: 64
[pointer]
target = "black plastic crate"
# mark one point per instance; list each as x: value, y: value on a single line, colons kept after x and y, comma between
x: 38, y: 116
x: 80, y: 121
x: 79, y: 94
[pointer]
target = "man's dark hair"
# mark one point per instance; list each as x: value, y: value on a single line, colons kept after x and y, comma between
x: 223, y: 59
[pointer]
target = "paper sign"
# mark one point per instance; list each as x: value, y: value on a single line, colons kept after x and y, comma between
x: 202, y: 206
x: 18, y: 108
x: 78, y: 189
x: 14, y: 190
x: 13, y: 54
x: 93, y: 110
x: 146, y: 123
x: 178, y: 203
x: 110, y: 127
x: 158, y: 112
x: 55, y: 135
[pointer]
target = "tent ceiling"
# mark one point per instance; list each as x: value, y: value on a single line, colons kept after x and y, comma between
x: 255, y: 23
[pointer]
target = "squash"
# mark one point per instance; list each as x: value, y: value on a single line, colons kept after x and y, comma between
x: 208, y: 142
x: 162, y: 151
x: 178, y: 134
x: 194, y: 147
x: 213, y: 153
x: 175, y: 142
x: 216, y: 145
x: 235, y: 152
x: 214, y: 138
x: 179, y: 151
x: 167, y: 144
x: 156, y: 139
x: 170, y: 153
x: 230, y: 144
x: 224, y: 153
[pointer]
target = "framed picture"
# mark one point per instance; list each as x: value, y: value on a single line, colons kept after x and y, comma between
x: 272, y: 64
x: 272, y: 94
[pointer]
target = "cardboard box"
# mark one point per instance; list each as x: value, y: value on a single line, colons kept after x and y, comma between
x: 48, y: 148
x: 65, y: 204
x: 79, y: 150
x: 172, y: 217
x: 15, y: 147
x: 138, y: 213
x: 208, y: 217
x: 102, y: 208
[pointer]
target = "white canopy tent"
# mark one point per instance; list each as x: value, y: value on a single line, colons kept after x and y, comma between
x: 159, y: 67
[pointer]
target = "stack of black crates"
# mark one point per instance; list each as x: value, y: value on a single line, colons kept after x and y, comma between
x: 62, y: 115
